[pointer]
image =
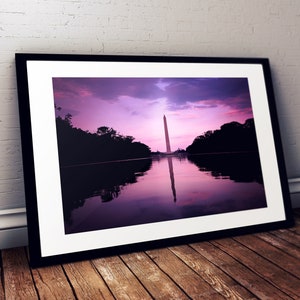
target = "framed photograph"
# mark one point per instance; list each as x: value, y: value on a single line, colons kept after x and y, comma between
x: 124, y: 153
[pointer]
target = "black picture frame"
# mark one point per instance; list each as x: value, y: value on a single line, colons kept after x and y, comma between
x: 53, y: 172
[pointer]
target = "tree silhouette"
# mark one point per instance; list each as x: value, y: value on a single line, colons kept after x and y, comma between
x: 231, y: 137
x: 104, y: 130
x: 76, y: 146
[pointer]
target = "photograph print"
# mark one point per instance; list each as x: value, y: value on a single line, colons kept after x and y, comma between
x: 138, y: 150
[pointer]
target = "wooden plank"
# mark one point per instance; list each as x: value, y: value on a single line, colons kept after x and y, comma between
x: 18, y: 282
x: 120, y: 280
x: 280, y: 244
x: 1, y: 281
x: 251, y: 281
x: 296, y: 228
x: 288, y: 236
x: 264, y: 268
x: 86, y: 281
x: 52, y: 283
x: 273, y: 254
x: 213, y: 275
x: 159, y: 285
x: 188, y: 280
x: 263, y: 265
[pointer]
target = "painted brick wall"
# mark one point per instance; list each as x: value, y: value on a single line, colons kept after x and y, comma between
x: 256, y: 28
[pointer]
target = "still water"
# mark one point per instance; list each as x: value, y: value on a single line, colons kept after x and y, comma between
x: 124, y: 193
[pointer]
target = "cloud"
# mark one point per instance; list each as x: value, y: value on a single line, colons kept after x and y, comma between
x: 180, y: 93
x: 106, y: 88
x: 220, y: 91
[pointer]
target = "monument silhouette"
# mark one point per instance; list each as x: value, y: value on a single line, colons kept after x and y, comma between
x: 168, y: 146
x: 170, y: 162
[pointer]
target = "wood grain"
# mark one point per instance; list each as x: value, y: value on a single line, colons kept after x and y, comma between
x: 278, y: 257
x: 213, y: 275
x: 255, y: 266
x: 257, y: 285
x: 51, y: 283
x: 279, y: 243
x: 1, y: 282
x: 276, y: 276
x: 186, y: 278
x: 288, y: 236
x: 17, y: 278
x: 121, y: 281
x: 159, y: 285
x: 87, y: 283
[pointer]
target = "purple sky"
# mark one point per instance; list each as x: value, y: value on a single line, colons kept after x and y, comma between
x: 136, y: 106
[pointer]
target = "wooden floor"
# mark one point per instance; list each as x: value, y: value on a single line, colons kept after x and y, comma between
x: 258, y: 266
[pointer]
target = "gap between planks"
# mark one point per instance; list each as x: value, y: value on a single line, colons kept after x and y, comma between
x: 258, y: 266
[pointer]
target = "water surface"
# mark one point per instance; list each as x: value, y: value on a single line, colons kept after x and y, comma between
x: 124, y: 193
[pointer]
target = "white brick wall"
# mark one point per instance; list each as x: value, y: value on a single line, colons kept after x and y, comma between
x: 256, y: 28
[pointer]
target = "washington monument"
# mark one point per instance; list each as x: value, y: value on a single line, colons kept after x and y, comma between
x: 170, y: 163
x: 167, y: 135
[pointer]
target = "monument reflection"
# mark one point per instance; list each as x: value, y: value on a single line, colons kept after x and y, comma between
x: 138, y: 191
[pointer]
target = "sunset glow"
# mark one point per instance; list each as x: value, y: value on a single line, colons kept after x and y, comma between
x: 136, y: 106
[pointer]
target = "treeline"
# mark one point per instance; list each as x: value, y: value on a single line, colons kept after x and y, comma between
x: 77, y: 146
x: 230, y: 137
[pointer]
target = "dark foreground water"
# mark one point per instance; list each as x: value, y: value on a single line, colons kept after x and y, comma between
x: 141, y: 191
